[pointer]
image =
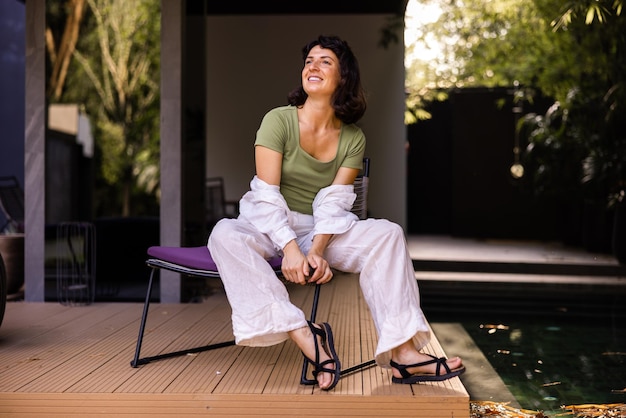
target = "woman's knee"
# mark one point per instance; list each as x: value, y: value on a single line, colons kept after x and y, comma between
x: 223, y: 231
x: 388, y: 229
x: 395, y: 229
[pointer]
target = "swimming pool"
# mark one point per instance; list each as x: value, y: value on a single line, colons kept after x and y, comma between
x: 550, y: 348
x: 550, y: 362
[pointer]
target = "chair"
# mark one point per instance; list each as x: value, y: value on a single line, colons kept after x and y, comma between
x: 197, y: 262
x: 11, y: 204
x: 216, y: 206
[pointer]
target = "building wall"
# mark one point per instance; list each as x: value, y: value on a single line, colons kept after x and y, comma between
x: 247, y: 74
x: 252, y: 62
x: 459, y: 164
x: 12, y: 45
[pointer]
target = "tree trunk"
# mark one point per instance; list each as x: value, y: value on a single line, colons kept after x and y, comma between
x: 62, y: 56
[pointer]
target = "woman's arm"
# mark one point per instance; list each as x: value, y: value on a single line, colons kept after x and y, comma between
x: 323, y: 273
x: 263, y: 205
x: 295, y: 267
x: 268, y: 164
x: 346, y: 175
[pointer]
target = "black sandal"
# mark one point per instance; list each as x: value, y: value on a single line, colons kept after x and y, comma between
x: 409, y: 378
x: 326, y: 335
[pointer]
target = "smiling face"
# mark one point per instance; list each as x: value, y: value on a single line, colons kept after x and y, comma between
x: 321, y: 72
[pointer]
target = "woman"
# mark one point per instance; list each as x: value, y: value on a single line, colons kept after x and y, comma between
x: 307, y: 155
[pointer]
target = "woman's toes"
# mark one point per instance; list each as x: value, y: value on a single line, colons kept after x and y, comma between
x: 454, y: 362
x: 324, y: 380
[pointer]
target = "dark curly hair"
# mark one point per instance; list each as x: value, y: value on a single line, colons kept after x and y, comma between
x: 349, y: 100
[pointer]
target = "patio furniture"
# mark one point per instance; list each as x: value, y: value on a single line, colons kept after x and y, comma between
x: 3, y: 289
x: 197, y: 262
x: 11, y: 204
x: 76, y: 263
x: 11, y: 238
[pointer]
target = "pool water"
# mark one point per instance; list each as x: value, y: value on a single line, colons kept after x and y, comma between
x: 547, y: 362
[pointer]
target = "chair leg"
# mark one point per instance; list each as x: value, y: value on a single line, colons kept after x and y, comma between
x: 305, y: 364
x: 140, y: 361
x: 142, y: 326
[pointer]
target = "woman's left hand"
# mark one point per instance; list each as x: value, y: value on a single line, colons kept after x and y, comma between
x: 320, y: 271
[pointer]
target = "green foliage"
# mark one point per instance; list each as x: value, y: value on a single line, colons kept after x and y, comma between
x: 573, y: 51
x: 490, y: 44
x: 115, y: 76
x: 567, y: 157
x: 499, y: 42
x: 485, y: 43
x: 593, y: 94
x: 555, y: 153
x: 591, y: 9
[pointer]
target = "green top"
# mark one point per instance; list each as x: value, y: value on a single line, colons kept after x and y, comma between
x: 302, y: 175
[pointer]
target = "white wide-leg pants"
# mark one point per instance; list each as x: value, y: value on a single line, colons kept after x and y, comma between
x: 262, y: 312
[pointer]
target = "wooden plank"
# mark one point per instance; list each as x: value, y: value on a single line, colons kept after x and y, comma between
x: 33, y: 357
x: 273, y: 369
x: 205, y: 372
x: 94, y: 352
x: 115, y: 370
x: 164, y: 405
x: 254, y: 366
x: 285, y: 377
x: 75, y: 361
x: 21, y: 315
x: 196, y: 325
x: 344, y: 317
x: 179, y: 322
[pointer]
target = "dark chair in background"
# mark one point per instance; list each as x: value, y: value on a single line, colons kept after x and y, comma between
x: 214, y: 202
x: 216, y: 206
x: 3, y: 289
x: 11, y: 204
x: 11, y: 239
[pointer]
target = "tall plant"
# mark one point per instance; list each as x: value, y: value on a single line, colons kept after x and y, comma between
x: 114, y: 75
x: 573, y: 51
x: 595, y: 99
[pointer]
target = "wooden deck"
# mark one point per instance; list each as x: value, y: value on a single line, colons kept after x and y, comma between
x: 65, y: 361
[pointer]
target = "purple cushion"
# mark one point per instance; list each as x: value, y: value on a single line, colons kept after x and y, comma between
x: 194, y: 257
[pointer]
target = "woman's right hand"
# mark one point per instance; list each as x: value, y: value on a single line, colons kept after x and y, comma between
x: 295, y: 266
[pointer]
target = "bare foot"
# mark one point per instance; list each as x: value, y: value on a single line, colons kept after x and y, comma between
x: 304, y: 339
x: 406, y: 354
x: 453, y: 363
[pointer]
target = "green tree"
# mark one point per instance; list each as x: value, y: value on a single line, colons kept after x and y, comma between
x: 114, y: 75
x: 537, y: 43
x: 573, y: 51
x: 495, y: 43
x: 591, y: 94
x: 64, y: 21
x: 124, y: 74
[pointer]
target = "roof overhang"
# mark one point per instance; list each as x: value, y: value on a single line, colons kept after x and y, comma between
x: 213, y: 7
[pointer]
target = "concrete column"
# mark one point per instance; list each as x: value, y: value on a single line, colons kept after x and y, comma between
x: 35, y: 151
x: 172, y: 23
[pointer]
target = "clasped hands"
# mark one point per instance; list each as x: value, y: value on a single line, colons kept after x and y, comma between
x: 301, y: 269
